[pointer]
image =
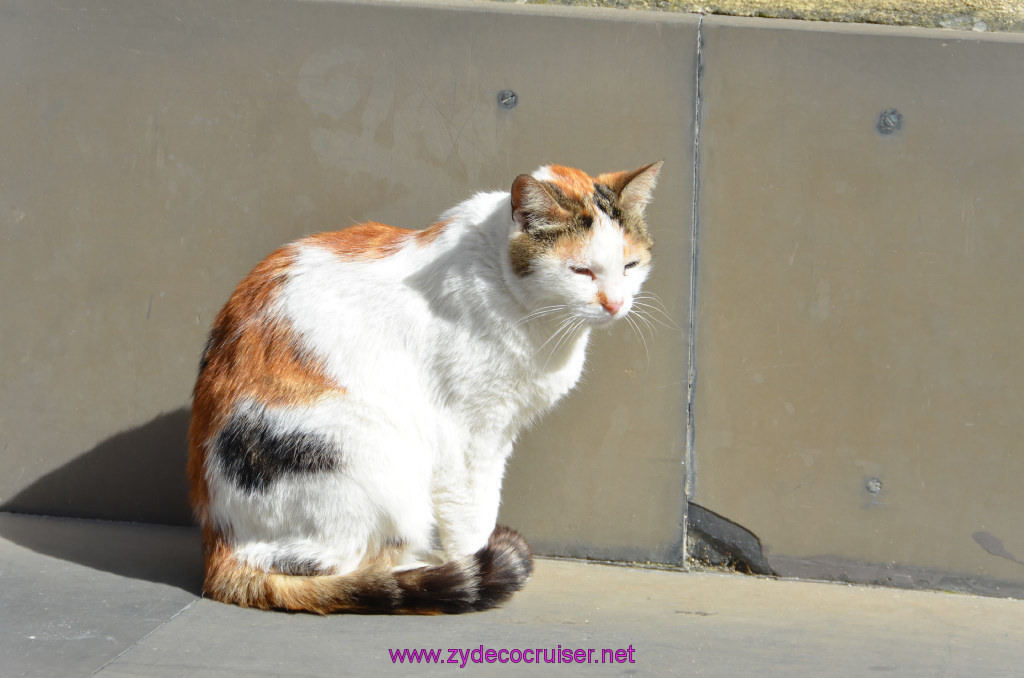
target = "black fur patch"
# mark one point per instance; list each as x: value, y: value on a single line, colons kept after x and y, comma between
x: 253, y: 455
x: 448, y: 588
x: 377, y: 592
x: 211, y: 339
x: 486, y: 579
x: 580, y: 218
x: 506, y: 564
x: 305, y: 567
x: 631, y: 221
x: 607, y: 200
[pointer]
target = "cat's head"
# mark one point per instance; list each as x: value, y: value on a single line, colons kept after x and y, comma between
x: 580, y: 242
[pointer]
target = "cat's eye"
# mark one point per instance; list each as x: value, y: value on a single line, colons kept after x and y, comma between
x: 632, y: 264
x: 582, y: 270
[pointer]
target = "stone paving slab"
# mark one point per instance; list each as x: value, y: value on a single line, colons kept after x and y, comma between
x: 111, y: 599
x: 75, y: 594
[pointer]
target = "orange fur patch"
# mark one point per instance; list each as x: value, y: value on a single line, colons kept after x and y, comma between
x: 576, y: 183
x: 373, y: 240
x: 429, y: 234
x: 231, y: 581
x: 454, y: 586
x: 254, y: 355
x: 571, y: 246
x: 250, y: 355
x: 370, y: 240
x: 616, y: 179
x: 635, y: 250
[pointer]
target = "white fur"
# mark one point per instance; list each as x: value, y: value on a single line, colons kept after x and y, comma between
x: 441, y: 373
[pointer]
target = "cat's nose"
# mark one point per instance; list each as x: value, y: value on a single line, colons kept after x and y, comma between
x: 610, y: 305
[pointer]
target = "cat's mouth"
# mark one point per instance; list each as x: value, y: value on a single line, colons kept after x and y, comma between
x: 607, y: 318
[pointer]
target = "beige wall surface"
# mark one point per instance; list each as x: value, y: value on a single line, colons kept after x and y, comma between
x: 861, y: 300
x: 151, y: 153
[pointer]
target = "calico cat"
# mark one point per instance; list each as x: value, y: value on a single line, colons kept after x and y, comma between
x: 361, y: 391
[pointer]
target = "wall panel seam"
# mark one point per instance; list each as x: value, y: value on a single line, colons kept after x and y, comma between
x: 689, y: 478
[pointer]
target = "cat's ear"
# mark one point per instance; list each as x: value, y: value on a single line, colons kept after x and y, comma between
x: 634, y: 188
x: 533, y: 205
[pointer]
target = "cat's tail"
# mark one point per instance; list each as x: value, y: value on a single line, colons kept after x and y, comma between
x: 477, y: 582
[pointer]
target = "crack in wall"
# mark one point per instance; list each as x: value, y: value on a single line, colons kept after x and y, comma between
x: 689, y: 478
x: 708, y: 538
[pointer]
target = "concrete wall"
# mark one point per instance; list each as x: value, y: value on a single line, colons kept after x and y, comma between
x: 861, y: 300
x: 858, y: 294
x: 152, y: 153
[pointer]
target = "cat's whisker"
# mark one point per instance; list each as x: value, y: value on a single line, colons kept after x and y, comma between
x: 651, y: 309
x: 570, y: 330
x: 647, y: 294
x: 560, y: 333
x: 655, y: 301
x: 646, y: 317
x: 653, y: 298
x: 540, y: 313
x: 640, y: 334
x: 530, y: 316
x: 565, y: 323
x: 545, y: 313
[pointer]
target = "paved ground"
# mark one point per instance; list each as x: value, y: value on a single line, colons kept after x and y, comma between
x: 81, y: 598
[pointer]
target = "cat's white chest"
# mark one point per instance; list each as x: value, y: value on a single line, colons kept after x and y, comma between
x: 503, y: 388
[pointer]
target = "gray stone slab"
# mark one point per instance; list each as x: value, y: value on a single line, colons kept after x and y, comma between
x: 677, y: 624
x: 74, y: 594
x: 115, y: 599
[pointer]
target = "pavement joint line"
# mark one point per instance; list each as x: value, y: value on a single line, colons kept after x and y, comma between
x: 144, y: 637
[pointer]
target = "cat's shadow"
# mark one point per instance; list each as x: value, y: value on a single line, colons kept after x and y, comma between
x: 136, y: 477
